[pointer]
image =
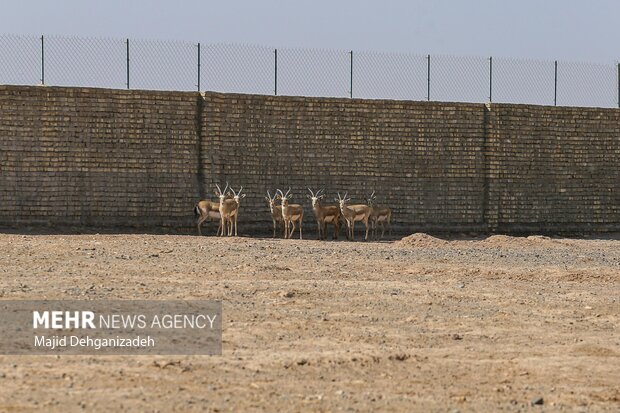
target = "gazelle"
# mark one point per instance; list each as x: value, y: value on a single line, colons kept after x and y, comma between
x: 291, y: 213
x: 329, y: 214
x: 227, y: 208
x: 207, y: 210
x: 276, y: 212
x: 352, y: 213
x: 379, y: 215
x: 237, y: 197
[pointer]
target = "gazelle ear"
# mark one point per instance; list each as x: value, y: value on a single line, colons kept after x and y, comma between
x: 267, y: 199
x: 242, y: 196
x: 308, y: 196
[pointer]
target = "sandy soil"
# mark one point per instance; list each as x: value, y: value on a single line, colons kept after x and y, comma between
x: 421, y: 324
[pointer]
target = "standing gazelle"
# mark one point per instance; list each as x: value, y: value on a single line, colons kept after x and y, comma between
x: 276, y: 212
x: 205, y: 210
x: 329, y: 214
x: 227, y: 209
x: 291, y: 213
x: 237, y: 197
x: 379, y: 215
x: 352, y: 213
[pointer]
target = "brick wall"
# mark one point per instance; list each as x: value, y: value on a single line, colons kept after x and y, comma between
x: 96, y: 157
x: 119, y: 159
x: 423, y: 159
x: 554, y: 169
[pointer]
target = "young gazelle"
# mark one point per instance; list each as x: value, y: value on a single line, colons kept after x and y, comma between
x: 206, y: 210
x: 329, y: 214
x: 290, y: 213
x: 352, y: 213
x: 379, y: 215
x: 276, y: 212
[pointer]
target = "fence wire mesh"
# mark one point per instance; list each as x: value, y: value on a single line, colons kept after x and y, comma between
x: 461, y: 79
x: 86, y: 62
x: 389, y: 76
x: 523, y: 81
x: 587, y: 84
x: 163, y: 65
x: 186, y: 66
x: 237, y: 69
x: 314, y: 73
x: 20, y: 60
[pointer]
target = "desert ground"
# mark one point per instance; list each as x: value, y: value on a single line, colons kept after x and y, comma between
x: 491, y: 324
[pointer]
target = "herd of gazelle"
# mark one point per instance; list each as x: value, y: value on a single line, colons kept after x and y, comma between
x: 226, y: 210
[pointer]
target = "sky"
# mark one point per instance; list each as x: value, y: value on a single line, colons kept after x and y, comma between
x: 569, y: 30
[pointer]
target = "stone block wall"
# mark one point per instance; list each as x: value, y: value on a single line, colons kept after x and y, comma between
x: 96, y: 157
x: 121, y: 159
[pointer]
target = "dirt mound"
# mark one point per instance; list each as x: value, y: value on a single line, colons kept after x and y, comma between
x: 420, y: 239
x: 509, y: 241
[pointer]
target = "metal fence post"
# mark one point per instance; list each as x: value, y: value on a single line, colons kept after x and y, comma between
x: 490, y: 79
x: 555, y: 87
x: 275, y: 80
x: 198, y: 67
x: 351, y: 76
x: 428, y: 77
x: 127, y: 63
x: 42, y: 60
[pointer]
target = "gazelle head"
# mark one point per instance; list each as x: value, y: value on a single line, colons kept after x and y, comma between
x: 220, y: 194
x: 271, y: 201
x: 284, y: 197
x: 342, y: 201
x: 237, y: 196
x: 315, y: 198
x: 371, y: 199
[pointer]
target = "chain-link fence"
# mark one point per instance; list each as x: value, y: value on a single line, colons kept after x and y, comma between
x: 176, y: 65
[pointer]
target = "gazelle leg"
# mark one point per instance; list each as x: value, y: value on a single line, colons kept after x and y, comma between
x: 300, y: 225
x: 319, y: 225
x: 200, y: 221
x: 367, y: 227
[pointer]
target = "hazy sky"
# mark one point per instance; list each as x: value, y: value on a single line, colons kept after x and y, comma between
x: 540, y: 29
